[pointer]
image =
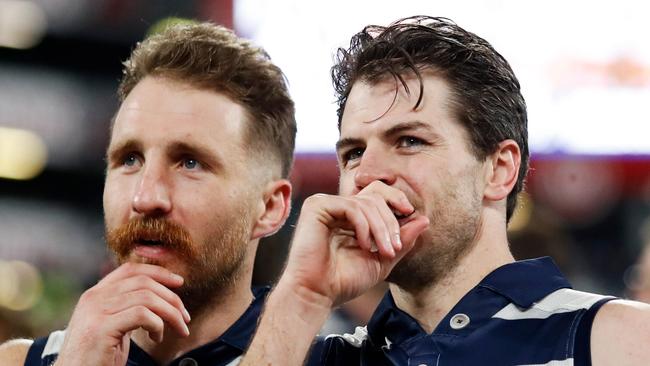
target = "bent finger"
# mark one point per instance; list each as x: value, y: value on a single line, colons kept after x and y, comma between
x: 167, y: 312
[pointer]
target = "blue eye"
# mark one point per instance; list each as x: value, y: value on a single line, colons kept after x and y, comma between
x: 409, y: 141
x: 190, y: 163
x: 353, y: 154
x: 130, y: 160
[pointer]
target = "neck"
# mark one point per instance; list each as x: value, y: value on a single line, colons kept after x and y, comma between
x: 429, y: 305
x: 204, y: 327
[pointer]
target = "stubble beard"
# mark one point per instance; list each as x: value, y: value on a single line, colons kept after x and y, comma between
x: 210, y: 268
x: 438, y: 251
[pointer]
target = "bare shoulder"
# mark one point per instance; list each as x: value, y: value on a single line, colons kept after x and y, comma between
x: 621, y: 334
x: 14, y: 352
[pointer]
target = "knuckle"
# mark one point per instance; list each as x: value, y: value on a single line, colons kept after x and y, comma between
x: 373, y: 200
x: 314, y: 199
x: 145, y: 295
x: 129, y: 268
x: 143, y: 281
x: 140, y: 313
x: 355, y: 203
x: 317, y: 202
x: 88, y: 295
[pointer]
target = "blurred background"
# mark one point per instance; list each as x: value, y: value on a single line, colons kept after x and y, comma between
x: 584, y: 67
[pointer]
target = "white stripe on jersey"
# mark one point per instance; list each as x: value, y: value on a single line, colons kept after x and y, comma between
x: 356, y: 339
x: 561, y: 301
x: 54, y: 343
x: 567, y: 362
x: 235, y: 362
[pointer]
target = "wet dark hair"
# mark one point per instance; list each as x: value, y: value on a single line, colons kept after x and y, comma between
x: 486, y: 97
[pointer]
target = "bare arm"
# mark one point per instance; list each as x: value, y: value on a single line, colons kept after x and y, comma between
x: 14, y: 352
x: 288, y: 327
x: 620, y: 335
x: 332, y: 260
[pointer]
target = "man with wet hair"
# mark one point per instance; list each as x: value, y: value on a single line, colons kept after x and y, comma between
x: 196, y: 174
x: 433, y: 151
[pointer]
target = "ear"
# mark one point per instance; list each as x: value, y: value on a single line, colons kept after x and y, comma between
x: 502, y: 171
x: 274, y: 209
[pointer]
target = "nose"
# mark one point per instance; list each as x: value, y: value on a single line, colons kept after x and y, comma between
x: 152, y: 195
x: 373, y: 167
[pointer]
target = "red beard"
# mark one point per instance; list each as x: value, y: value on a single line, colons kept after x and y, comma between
x: 152, y: 231
x: 209, y: 267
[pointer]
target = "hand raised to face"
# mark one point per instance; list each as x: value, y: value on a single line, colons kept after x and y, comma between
x: 131, y: 297
x: 342, y: 246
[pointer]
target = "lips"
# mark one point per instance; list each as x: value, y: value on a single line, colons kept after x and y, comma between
x: 149, y: 242
x: 152, y: 246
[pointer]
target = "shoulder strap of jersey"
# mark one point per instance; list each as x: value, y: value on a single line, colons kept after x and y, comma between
x: 582, y: 341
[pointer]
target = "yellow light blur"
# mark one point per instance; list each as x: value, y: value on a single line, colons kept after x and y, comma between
x: 22, y: 154
x: 22, y: 24
x: 21, y: 285
x: 521, y: 217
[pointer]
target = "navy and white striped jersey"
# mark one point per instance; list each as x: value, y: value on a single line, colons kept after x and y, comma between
x: 523, y: 313
x: 226, y: 350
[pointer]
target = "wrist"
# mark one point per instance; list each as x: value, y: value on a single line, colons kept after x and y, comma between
x: 310, y: 306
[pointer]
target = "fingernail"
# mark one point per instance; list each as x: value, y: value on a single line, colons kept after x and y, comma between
x: 398, y: 241
x: 177, y: 277
x: 187, y: 315
x: 187, y: 330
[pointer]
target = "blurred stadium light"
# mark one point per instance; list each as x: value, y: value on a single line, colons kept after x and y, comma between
x: 22, y: 154
x: 22, y: 24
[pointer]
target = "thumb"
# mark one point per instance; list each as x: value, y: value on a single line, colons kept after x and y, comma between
x: 410, y: 232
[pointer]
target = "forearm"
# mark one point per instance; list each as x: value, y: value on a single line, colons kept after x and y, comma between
x: 292, y: 318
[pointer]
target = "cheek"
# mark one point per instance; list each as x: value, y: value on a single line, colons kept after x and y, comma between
x: 117, y: 202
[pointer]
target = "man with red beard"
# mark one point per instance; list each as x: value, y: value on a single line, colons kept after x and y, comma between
x: 432, y: 153
x: 197, y: 168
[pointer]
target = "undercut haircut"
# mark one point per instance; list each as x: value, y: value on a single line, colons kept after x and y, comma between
x: 210, y: 57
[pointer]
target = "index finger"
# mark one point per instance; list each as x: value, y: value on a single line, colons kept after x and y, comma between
x: 157, y: 273
x: 394, y: 197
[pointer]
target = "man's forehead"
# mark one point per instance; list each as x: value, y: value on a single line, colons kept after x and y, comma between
x: 135, y: 111
x: 365, y: 96
x: 370, y: 105
x: 381, y: 107
x: 159, y: 104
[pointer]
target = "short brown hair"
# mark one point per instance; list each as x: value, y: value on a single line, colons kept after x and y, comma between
x: 211, y: 57
x: 486, y: 96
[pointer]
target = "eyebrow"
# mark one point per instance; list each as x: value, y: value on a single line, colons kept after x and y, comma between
x: 407, y: 126
x: 118, y: 150
x: 202, y: 152
x: 394, y: 130
x: 344, y: 143
x: 173, y: 149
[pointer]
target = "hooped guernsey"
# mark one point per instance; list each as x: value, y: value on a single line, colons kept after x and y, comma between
x: 226, y: 350
x: 523, y: 313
